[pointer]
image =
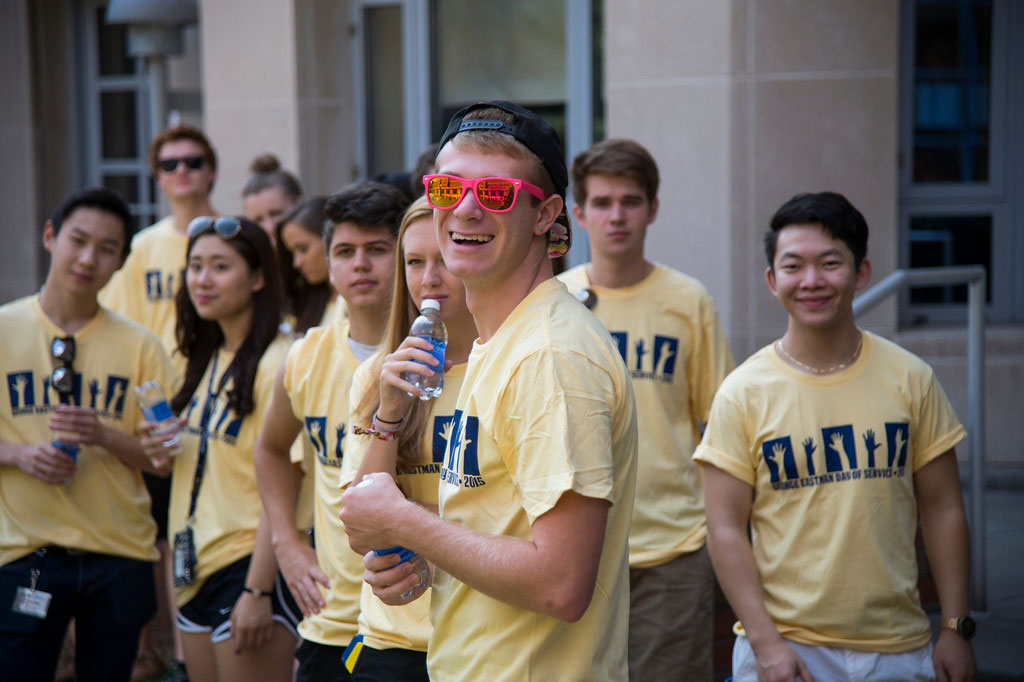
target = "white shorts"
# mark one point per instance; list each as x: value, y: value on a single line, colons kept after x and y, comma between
x: 829, y: 664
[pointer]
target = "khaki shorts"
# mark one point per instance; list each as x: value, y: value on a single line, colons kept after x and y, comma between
x: 671, y: 612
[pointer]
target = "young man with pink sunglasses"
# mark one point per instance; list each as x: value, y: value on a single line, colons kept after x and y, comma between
x: 537, y: 483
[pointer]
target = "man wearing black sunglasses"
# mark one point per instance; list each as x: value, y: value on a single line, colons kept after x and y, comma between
x: 76, y: 535
x: 185, y: 167
x: 538, y: 476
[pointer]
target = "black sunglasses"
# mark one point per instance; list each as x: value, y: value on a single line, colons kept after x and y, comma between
x: 226, y: 227
x: 62, y: 349
x: 169, y: 165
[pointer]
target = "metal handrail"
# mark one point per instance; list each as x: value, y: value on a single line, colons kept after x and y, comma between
x: 974, y: 277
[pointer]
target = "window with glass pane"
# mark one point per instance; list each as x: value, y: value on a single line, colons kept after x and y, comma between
x: 385, y: 101
x: 118, y: 125
x: 113, y: 47
x: 937, y: 241
x: 493, y: 50
x: 125, y: 185
x: 114, y: 111
x: 951, y: 87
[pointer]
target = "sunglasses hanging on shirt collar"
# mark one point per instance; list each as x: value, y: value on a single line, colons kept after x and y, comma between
x: 587, y: 297
x: 62, y: 349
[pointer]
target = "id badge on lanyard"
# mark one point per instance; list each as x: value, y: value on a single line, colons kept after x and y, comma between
x: 28, y: 601
x: 184, y: 558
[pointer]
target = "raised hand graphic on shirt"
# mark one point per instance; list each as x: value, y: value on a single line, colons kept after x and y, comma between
x: 640, y: 353
x: 446, y: 429
x: 20, y: 384
x: 871, y: 445
x: 667, y: 354
x: 94, y: 391
x: 778, y: 452
x: 119, y: 390
x: 809, y: 448
x: 340, y: 433
x: 900, y: 443
x: 837, y: 444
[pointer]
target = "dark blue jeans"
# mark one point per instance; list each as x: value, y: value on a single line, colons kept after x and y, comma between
x: 109, y: 597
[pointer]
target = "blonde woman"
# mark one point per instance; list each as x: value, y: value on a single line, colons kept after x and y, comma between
x: 392, y: 640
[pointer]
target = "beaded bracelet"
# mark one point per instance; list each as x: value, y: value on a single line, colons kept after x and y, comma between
x: 382, y: 435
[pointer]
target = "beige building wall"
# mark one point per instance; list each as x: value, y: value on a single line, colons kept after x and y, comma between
x: 20, y: 226
x: 746, y: 103
x: 249, y: 88
x: 276, y: 79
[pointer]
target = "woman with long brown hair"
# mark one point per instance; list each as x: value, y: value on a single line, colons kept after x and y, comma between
x: 394, y: 638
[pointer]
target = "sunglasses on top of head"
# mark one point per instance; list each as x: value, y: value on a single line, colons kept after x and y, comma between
x: 169, y: 165
x: 226, y: 227
x: 495, y: 194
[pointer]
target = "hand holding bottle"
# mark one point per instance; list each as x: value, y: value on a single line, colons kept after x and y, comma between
x: 429, y: 327
x: 157, y: 411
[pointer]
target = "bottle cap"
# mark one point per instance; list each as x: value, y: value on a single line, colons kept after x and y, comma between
x: 429, y: 304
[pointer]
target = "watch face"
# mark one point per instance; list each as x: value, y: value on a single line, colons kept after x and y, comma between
x: 967, y: 627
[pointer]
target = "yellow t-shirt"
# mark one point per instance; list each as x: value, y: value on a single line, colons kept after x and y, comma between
x: 105, y: 507
x: 318, y: 376
x: 669, y: 336
x: 336, y: 309
x: 831, y: 460
x: 546, y: 406
x: 228, y: 507
x: 302, y: 452
x: 404, y: 627
x: 145, y: 286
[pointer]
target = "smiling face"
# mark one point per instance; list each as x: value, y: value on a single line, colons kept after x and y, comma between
x: 266, y: 208
x: 309, y: 255
x: 219, y: 280
x: 426, y: 274
x: 361, y: 261
x: 814, y: 278
x: 183, y: 182
x: 489, y: 250
x: 86, y: 251
x: 615, y: 215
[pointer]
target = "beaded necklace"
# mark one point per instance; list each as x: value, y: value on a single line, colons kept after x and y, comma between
x: 781, y: 350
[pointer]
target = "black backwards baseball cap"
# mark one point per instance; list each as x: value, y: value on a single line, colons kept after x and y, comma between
x: 539, y: 137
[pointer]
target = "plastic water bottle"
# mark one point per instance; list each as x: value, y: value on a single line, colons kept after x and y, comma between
x: 430, y: 327
x: 69, y: 449
x: 420, y: 566
x: 155, y: 409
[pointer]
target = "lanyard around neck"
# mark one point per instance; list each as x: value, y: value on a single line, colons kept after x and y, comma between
x: 204, y: 433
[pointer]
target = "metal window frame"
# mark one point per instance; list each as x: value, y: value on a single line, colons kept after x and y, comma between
x: 91, y: 86
x: 992, y: 198
x: 416, y: 88
x: 939, y: 192
x: 1002, y: 263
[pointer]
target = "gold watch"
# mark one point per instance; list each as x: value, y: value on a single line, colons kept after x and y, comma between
x: 963, y: 626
